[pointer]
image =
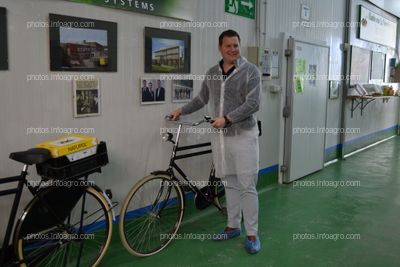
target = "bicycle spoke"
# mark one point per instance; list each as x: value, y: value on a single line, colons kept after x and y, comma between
x: 63, y: 244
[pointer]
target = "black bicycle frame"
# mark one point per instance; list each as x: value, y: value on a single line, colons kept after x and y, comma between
x: 174, y: 156
x: 21, y: 179
x: 173, y: 166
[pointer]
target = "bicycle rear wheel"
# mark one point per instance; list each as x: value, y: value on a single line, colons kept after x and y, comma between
x: 151, y: 215
x: 49, y: 232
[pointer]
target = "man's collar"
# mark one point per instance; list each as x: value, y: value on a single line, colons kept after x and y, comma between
x: 237, y: 62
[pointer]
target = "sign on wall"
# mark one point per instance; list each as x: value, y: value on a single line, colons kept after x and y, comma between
x: 376, y: 29
x: 180, y: 9
x: 243, y: 8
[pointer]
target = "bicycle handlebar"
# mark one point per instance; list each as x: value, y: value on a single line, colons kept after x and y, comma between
x: 206, y: 119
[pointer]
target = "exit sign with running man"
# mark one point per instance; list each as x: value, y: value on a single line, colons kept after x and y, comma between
x: 244, y: 8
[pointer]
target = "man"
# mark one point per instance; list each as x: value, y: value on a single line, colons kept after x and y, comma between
x: 147, y: 92
x: 160, y: 92
x: 233, y: 95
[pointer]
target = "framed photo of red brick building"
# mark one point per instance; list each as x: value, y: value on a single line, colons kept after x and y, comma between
x: 81, y: 44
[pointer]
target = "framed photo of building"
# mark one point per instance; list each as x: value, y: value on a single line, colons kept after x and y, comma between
x: 166, y: 51
x: 334, y: 89
x: 378, y: 66
x: 360, y: 65
x: 80, y: 44
x: 152, y: 90
x: 3, y: 39
x: 182, y: 91
x: 87, y: 99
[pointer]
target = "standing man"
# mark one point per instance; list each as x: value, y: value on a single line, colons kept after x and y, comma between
x: 233, y: 95
x: 147, y: 92
x: 160, y: 92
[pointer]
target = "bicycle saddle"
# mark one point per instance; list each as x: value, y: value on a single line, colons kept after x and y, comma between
x: 31, y: 156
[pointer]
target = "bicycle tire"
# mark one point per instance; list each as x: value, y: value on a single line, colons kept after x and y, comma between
x: 155, y: 202
x: 60, y: 243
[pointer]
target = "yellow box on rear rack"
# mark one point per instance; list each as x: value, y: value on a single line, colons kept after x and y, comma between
x: 68, y: 144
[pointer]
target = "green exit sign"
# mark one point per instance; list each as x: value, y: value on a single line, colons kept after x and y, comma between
x: 244, y: 8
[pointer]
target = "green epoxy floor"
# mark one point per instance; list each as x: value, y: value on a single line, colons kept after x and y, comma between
x: 370, y: 210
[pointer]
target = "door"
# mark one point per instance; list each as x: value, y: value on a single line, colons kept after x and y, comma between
x: 305, y: 109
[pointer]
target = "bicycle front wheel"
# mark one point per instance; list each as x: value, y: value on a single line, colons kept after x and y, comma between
x: 53, y: 231
x: 151, y: 215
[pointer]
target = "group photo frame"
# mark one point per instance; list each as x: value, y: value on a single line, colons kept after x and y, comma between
x: 86, y: 98
x: 152, y: 90
x: 182, y: 91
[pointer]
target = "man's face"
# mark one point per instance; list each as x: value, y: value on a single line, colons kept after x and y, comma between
x: 150, y: 86
x: 230, y: 49
x: 158, y: 83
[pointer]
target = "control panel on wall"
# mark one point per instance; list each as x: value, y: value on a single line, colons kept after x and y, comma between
x: 267, y: 60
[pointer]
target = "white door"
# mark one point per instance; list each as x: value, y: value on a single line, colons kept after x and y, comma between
x: 305, y: 110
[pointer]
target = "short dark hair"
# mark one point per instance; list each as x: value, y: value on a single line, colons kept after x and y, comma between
x: 228, y: 33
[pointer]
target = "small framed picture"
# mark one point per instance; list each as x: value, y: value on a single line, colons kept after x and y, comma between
x: 182, y: 91
x: 86, y: 98
x: 334, y: 89
x: 152, y: 90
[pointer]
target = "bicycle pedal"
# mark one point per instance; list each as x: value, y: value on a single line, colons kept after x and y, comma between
x: 224, y: 211
x: 109, y: 193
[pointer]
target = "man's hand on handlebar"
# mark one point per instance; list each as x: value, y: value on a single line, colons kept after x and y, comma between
x: 174, y: 115
x: 218, y: 122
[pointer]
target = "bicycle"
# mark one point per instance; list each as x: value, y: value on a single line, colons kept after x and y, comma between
x: 153, y: 209
x: 66, y: 226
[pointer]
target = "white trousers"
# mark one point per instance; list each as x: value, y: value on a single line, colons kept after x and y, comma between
x: 241, y: 196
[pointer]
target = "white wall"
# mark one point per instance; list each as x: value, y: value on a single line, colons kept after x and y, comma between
x: 326, y: 15
x: 377, y: 115
x: 282, y: 21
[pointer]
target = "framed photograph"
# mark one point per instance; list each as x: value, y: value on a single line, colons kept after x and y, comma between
x: 152, y: 90
x: 378, y: 66
x: 80, y: 44
x: 3, y: 39
x: 166, y: 51
x: 86, y: 98
x: 182, y: 91
x: 360, y: 65
x: 334, y: 89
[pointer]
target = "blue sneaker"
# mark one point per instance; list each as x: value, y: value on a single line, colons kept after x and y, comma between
x: 234, y: 232
x: 252, y: 247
